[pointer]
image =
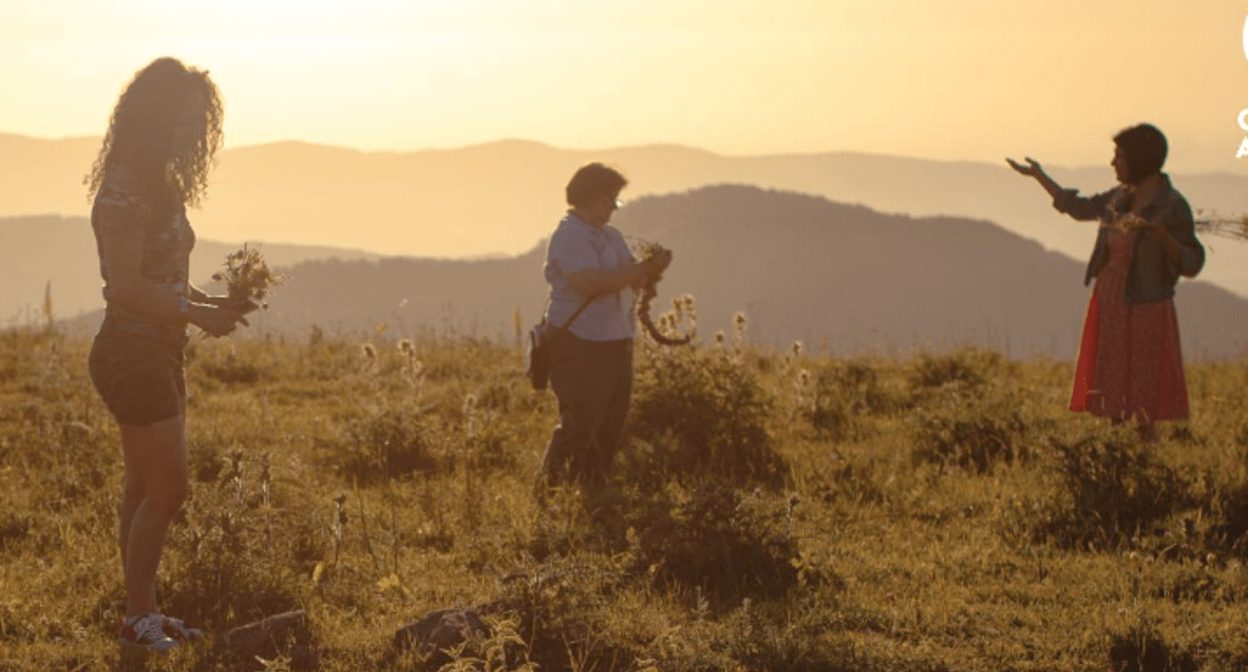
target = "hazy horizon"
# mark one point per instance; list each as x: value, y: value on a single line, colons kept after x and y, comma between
x: 615, y: 148
x: 430, y: 202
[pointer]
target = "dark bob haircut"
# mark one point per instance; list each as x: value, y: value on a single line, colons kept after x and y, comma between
x: 594, y: 181
x: 1144, y: 148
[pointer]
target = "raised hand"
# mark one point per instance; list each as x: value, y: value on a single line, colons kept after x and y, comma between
x: 1032, y: 169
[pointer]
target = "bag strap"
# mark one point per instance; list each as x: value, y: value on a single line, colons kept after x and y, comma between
x: 578, y: 311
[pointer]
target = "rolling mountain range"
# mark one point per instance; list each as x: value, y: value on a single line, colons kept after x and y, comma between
x: 801, y: 267
x: 500, y: 199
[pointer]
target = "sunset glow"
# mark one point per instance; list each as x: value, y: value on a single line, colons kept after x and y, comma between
x: 965, y: 80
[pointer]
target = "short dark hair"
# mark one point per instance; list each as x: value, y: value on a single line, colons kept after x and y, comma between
x: 594, y: 181
x: 1144, y: 147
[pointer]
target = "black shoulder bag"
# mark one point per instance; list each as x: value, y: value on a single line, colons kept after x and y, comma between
x: 541, y: 340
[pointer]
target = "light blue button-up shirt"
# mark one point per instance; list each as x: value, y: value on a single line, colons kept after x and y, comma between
x: 575, y: 247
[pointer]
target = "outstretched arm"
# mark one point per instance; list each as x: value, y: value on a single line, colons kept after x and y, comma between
x: 1033, y: 169
x: 1065, y: 200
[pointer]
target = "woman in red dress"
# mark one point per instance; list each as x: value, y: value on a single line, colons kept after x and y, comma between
x: 1130, y: 364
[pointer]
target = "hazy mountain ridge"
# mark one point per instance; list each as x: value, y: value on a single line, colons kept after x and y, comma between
x: 502, y: 197
x: 801, y: 268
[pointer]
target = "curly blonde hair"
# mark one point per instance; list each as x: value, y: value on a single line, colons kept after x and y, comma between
x: 142, y: 126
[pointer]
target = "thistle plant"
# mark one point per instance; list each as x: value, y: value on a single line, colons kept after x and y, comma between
x: 803, y: 397
x: 247, y: 276
x: 368, y: 352
x: 738, y: 335
x: 412, y: 367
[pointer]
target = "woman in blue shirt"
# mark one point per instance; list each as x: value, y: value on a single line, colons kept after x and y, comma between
x: 593, y: 278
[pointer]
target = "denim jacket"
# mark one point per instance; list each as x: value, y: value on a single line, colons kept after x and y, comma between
x: 1151, y: 275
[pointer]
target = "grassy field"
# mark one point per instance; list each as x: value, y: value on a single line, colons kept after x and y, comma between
x: 772, y: 511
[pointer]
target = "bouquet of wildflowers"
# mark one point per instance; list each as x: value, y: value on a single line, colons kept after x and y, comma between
x: 1130, y: 221
x: 247, y: 276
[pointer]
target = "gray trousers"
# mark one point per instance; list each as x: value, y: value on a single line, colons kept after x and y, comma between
x: 593, y: 381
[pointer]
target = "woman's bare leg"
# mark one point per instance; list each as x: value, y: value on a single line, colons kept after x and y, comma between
x: 157, y: 477
x: 131, y: 496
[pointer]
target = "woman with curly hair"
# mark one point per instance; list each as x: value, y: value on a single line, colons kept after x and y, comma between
x: 1130, y: 364
x: 161, y: 142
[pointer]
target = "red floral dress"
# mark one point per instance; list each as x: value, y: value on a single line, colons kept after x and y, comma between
x: 1130, y: 364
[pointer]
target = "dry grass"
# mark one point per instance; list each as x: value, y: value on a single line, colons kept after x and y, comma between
x: 936, y: 513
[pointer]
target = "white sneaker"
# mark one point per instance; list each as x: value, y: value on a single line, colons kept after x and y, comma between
x: 175, y: 628
x: 146, y: 632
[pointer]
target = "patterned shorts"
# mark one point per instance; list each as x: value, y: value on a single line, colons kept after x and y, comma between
x: 137, y: 369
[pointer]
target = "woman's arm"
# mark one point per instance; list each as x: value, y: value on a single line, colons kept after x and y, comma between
x: 1065, y: 200
x: 243, y: 306
x: 596, y: 281
x: 123, y: 256
x: 198, y: 295
x: 1178, y: 238
x: 1033, y: 169
x: 129, y: 289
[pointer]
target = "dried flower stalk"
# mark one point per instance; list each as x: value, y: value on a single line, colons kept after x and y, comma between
x: 1232, y: 226
x: 644, y: 250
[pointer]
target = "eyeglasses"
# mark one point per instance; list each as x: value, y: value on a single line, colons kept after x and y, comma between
x: 615, y: 203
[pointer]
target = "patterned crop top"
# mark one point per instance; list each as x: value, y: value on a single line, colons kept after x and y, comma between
x: 123, y: 209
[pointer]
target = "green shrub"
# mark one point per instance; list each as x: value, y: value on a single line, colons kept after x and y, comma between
x: 231, y: 369
x: 703, y: 413
x: 971, y: 433
x: 966, y: 368
x: 1141, y: 648
x: 388, y: 443
x: 1113, y: 487
x: 1230, y: 501
x: 566, y: 613
x: 835, y: 398
x: 715, y: 539
x: 225, y: 564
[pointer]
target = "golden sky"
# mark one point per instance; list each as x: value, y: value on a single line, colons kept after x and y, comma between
x: 957, y: 79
